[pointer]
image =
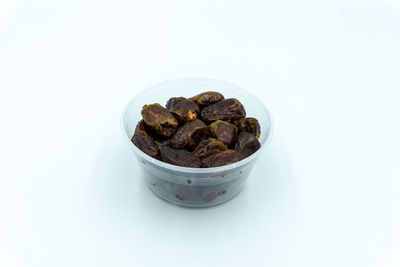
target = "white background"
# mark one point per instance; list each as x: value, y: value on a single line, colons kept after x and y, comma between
x: 325, y: 193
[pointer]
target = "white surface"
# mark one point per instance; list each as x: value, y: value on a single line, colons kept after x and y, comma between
x: 326, y: 192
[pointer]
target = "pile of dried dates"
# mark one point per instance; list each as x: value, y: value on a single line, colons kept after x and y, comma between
x: 203, y: 131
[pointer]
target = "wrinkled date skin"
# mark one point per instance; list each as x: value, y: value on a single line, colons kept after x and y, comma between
x: 158, y: 139
x: 247, y: 144
x: 144, y: 141
x: 250, y: 125
x: 159, y: 119
x: 183, y: 109
x: 161, y: 141
x: 207, y: 98
x: 208, y: 147
x: 226, y: 110
x: 141, y: 127
x: 190, y: 134
x: 179, y: 157
x: 224, y: 131
x: 222, y: 158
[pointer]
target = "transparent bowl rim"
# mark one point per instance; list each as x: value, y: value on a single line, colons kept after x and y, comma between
x: 176, y: 168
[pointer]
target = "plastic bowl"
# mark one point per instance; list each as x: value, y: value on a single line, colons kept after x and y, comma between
x: 195, y: 187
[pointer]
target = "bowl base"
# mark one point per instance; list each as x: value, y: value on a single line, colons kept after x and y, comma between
x: 197, y: 204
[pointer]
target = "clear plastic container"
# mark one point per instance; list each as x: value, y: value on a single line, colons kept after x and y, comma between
x: 195, y: 187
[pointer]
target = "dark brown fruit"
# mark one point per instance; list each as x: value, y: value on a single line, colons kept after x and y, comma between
x: 214, y: 128
x: 179, y: 157
x: 183, y: 109
x: 141, y: 127
x: 160, y: 141
x: 145, y: 142
x: 159, y: 119
x: 250, y: 125
x: 226, y: 110
x: 207, y: 98
x: 209, y: 193
x: 222, y: 158
x: 208, y: 147
x: 183, y: 192
x: 224, y: 131
x: 190, y: 134
x: 247, y: 144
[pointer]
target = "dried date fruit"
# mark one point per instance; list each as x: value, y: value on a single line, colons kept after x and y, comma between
x: 183, y: 109
x: 183, y: 192
x: 214, y: 128
x: 226, y: 110
x: 210, y: 193
x: 247, y: 144
x: 141, y: 127
x: 158, y: 139
x: 179, y: 157
x: 222, y: 158
x: 190, y: 134
x: 248, y: 124
x: 162, y: 141
x: 208, y: 147
x: 207, y: 98
x: 159, y: 119
x: 224, y: 131
x: 145, y: 142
